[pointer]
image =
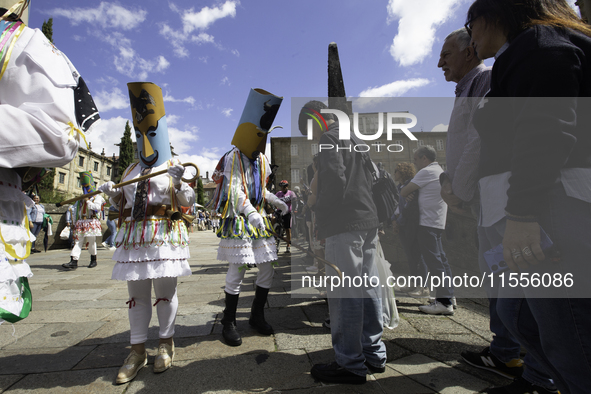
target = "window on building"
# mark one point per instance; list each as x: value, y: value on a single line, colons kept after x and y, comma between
x: 439, y: 144
x: 62, y: 178
x: 421, y: 143
x: 115, y: 172
x: 314, y: 149
x: 294, y: 149
x: 398, y: 142
x: 108, y: 170
x: 81, y: 161
x: 79, y: 182
x: 295, y: 175
x: 96, y: 165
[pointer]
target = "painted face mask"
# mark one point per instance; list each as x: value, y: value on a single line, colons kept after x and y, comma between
x: 87, y: 182
x: 256, y: 121
x: 149, y: 122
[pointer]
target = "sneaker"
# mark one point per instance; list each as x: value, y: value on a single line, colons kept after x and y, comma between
x: 164, y: 358
x: 521, y: 386
x: 112, y: 248
x: 421, y: 292
x: 375, y: 369
x: 287, y: 250
x: 486, y: 360
x: 132, y: 364
x: 312, y: 269
x: 454, y: 302
x: 105, y: 245
x: 334, y: 373
x: 437, y: 308
x: 326, y: 323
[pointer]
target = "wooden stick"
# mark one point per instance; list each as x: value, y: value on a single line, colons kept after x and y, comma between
x: 141, y: 178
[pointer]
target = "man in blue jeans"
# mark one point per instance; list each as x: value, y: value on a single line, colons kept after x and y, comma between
x: 433, y: 213
x: 347, y: 219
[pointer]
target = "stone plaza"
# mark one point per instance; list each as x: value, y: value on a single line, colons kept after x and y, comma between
x: 77, y: 336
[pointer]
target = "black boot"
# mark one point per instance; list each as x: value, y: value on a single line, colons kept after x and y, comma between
x: 229, y: 332
x: 72, y: 265
x: 92, y: 261
x: 257, y: 314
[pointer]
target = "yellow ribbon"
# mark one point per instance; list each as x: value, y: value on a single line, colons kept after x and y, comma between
x: 10, y: 249
x: 22, y: 4
x: 73, y: 130
x: 14, y: 39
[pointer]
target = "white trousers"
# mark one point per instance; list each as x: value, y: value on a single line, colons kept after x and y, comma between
x: 234, y: 277
x: 140, y: 307
x: 77, y: 249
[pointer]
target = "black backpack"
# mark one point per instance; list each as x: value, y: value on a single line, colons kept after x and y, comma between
x: 385, y: 194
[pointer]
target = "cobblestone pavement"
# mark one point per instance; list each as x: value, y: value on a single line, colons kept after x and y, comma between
x: 77, y: 336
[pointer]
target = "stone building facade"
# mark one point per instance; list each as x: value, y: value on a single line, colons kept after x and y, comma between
x: 102, y: 167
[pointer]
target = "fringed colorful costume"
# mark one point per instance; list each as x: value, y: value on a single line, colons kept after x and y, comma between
x: 240, y: 197
x: 86, y: 215
x: 42, y: 123
x: 241, y: 179
x: 152, y: 249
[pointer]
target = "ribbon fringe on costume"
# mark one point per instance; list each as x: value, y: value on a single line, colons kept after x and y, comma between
x: 152, y: 232
x: 244, y: 176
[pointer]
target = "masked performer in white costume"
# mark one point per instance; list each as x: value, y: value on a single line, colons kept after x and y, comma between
x: 45, y: 108
x: 86, y: 215
x: 240, y: 197
x: 151, y: 248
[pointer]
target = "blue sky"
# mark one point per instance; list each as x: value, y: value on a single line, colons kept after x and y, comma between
x: 206, y: 55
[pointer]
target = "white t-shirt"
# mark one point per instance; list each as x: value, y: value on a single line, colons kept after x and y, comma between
x: 433, y: 210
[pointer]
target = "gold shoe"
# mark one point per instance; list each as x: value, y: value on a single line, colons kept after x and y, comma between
x: 133, y: 363
x: 164, y: 358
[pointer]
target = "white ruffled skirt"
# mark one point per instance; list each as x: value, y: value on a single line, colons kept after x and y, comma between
x: 14, y: 236
x: 247, y: 251
x: 87, y: 228
x: 156, y: 248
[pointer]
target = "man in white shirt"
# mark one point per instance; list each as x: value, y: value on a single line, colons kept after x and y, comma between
x: 433, y: 213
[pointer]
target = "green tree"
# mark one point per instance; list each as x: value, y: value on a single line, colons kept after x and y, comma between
x: 200, y: 199
x: 125, y: 151
x: 47, y: 29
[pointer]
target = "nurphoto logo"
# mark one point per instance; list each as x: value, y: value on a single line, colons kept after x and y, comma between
x: 394, y: 121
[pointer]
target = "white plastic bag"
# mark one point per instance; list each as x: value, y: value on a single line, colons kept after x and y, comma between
x: 389, y: 309
x: 65, y: 234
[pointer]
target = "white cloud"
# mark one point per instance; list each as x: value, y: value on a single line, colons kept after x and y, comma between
x: 206, y: 165
x: 227, y: 112
x: 224, y: 67
x: 416, y: 27
x: 199, y: 22
x: 181, y: 139
x: 235, y: 52
x: 172, y: 119
x: 189, y: 100
x: 106, y: 15
x: 394, y: 89
x: 115, y: 99
x: 207, y: 16
x: 440, y: 127
x: 225, y: 81
x: 129, y: 63
x: 107, y: 133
